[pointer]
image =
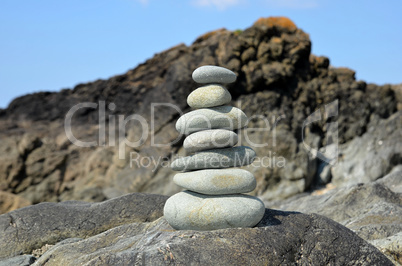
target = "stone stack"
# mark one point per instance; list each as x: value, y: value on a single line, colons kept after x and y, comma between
x: 213, y: 198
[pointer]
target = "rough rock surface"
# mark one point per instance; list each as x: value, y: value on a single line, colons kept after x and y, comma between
x: 29, y: 228
x: 279, y: 81
x: 369, y: 157
x: 10, y: 202
x: 372, y: 210
x: 140, y: 238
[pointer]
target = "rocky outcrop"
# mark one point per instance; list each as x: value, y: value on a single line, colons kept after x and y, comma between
x: 299, y: 106
x: 30, y: 228
x: 375, y: 153
x: 280, y: 86
x: 372, y: 210
x: 128, y: 231
x: 10, y: 202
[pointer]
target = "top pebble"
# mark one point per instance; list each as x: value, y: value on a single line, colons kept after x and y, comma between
x: 213, y: 74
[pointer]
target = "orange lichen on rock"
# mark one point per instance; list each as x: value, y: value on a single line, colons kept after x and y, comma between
x: 210, y: 34
x: 282, y: 22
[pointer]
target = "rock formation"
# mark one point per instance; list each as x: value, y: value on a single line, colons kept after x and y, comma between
x: 213, y: 199
x: 372, y: 210
x: 130, y: 231
x: 278, y: 79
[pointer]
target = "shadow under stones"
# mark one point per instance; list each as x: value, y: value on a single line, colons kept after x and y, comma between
x: 270, y: 219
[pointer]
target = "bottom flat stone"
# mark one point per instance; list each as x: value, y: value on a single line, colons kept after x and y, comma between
x: 188, y: 210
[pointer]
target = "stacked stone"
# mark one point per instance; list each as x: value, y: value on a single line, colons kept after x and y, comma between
x: 213, y: 198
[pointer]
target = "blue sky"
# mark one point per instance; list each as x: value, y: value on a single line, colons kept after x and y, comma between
x: 47, y: 45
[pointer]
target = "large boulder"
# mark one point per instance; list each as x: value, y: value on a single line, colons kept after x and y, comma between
x: 372, y: 210
x: 127, y: 231
x: 30, y: 228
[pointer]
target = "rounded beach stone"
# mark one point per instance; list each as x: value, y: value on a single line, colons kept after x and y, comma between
x: 193, y: 211
x: 209, y: 96
x: 215, y: 159
x: 215, y: 182
x: 210, y: 139
x: 224, y: 117
x: 213, y: 74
